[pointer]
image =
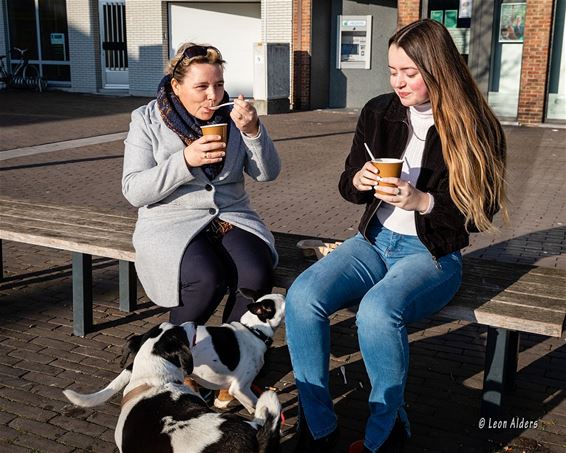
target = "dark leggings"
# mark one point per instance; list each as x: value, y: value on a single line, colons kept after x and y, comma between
x: 210, y: 267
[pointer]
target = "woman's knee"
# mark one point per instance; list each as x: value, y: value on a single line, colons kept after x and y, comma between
x: 257, y: 277
x: 305, y: 296
x: 377, y: 314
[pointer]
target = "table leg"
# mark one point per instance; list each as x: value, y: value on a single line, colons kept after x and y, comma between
x: 82, y: 293
x: 128, y: 286
x: 500, y: 368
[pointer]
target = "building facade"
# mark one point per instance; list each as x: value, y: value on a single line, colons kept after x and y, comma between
x: 335, y: 56
x: 122, y: 46
x: 515, y: 50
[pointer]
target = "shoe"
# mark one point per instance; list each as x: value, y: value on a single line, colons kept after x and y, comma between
x: 393, y: 444
x: 358, y: 447
x: 307, y: 444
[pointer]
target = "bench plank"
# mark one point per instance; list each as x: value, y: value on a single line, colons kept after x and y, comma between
x: 73, y: 211
x: 510, y: 297
x: 65, y: 230
x: 508, y: 316
x: 101, y: 222
x: 111, y: 249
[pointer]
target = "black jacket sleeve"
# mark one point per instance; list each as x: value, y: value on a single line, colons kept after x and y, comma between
x: 354, y: 162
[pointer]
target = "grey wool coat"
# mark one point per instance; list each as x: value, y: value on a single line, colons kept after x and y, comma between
x: 175, y: 202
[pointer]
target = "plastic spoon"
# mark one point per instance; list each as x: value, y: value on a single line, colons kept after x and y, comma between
x: 216, y: 107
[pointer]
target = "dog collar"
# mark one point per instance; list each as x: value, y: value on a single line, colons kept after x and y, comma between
x: 136, y: 391
x: 259, y: 334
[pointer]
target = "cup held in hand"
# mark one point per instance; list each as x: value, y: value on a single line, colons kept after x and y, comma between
x: 216, y: 129
x: 388, y: 168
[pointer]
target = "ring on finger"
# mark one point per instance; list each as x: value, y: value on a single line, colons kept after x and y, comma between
x: 399, y: 191
x: 206, y: 155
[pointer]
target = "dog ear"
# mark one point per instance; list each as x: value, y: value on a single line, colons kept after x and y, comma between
x: 174, y: 346
x: 186, y: 359
x: 132, y: 346
x: 249, y: 294
x: 264, y: 310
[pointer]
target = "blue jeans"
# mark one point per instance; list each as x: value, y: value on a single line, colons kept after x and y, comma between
x: 395, y: 281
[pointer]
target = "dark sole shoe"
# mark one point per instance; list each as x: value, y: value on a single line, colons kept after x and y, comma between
x: 307, y: 444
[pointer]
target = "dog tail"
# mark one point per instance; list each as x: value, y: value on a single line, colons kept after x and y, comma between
x: 268, y: 417
x: 94, y: 399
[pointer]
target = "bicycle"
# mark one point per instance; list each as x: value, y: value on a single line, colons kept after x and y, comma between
x: 25, y: 76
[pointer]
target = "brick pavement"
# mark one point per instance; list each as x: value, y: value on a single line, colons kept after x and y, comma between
x: 39, y: 357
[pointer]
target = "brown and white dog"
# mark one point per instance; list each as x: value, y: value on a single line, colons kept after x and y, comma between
x: 160, y: 414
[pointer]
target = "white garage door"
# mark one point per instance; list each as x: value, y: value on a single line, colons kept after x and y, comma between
x: 231, y: 27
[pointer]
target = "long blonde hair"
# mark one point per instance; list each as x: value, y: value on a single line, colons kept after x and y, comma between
x: 470, y: 134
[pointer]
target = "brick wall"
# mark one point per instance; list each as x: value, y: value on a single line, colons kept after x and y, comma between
x: 301, y: 49
x: 276, y: 26
x: 84, y: 45
x: 277, y: 16
x: 408, y: 11
x: 535, y: 61
x: 147, y: 35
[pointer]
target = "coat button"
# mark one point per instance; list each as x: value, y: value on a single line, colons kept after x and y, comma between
x: 208, y: 187
x: 212, y: 211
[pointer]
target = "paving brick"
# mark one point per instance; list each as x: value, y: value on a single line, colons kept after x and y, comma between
x: 9, y: 371
x: 6, y: 447
x: 80, y: 426
x: 41, y: 429
x: 26, y: 411
x: 61, y: 380
x: 41, y: 444
x: 88, y: 443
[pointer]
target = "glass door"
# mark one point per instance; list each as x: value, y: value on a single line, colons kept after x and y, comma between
x: 507, y: 53
x: 40, y: 27
x: 556, y: 105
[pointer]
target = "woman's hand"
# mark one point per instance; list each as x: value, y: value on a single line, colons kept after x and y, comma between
x: 366, y: 178
x: 404, y: 196
x: 206, y: 150
x: 245, y: 117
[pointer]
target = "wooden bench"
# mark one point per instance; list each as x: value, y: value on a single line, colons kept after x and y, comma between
x: 508, y: 298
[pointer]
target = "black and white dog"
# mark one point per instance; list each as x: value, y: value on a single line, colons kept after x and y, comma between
x: 231, y: 355
x: 160, y: 414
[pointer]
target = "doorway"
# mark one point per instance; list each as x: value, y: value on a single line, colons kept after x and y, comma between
x: 113, y: 43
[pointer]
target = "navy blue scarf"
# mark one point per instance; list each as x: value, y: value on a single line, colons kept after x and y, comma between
x: 185, y: 125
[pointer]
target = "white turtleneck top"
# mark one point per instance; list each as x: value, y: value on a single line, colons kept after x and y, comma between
x: 397, y: 219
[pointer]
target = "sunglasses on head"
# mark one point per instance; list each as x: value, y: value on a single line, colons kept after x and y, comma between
x: 192, y: 52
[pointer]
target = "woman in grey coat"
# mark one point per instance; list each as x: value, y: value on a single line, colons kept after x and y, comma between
x: 197, y: 236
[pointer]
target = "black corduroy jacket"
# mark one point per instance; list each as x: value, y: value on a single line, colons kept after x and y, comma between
x: 384, y: 126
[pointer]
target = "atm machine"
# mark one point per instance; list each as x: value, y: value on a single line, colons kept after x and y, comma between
x: 354, y: 42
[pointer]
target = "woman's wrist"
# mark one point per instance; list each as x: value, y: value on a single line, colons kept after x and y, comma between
x: 428, y: 205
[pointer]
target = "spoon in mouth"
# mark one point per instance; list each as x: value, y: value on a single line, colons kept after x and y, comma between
x: 216, y: 107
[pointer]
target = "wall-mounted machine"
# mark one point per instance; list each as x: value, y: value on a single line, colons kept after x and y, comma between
x: 354, y: 42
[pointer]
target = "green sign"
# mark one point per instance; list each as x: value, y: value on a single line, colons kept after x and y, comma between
x: 57, y: 38
x: 451, y: 18
x: 437, y: 15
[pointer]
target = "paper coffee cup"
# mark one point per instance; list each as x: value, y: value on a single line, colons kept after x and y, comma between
x: 388, y: 168
x: 216, y: 129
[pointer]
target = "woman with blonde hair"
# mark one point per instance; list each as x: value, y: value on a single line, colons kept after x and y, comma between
x: 197, y: 236
x: 404, y: 264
